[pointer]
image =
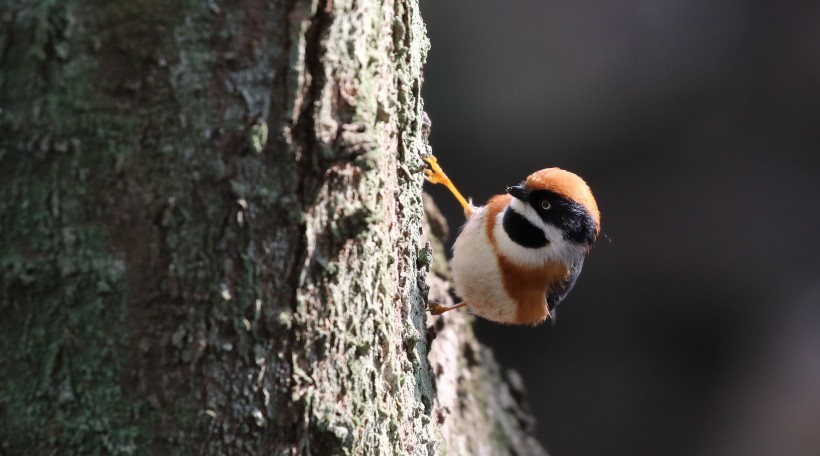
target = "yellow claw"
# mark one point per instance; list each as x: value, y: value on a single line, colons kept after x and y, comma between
x: 435, y: 175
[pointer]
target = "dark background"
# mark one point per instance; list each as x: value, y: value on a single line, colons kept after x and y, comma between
x: 695, y: 327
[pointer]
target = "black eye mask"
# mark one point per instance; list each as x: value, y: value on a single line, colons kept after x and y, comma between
x: 568, y: 216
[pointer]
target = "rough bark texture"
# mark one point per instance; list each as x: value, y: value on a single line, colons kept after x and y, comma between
x: 211, y: 234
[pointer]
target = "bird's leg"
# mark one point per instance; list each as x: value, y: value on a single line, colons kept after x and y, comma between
x: 438, y: 309
x: 435, y: 175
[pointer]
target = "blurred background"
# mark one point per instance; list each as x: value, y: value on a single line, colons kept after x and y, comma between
x: 695, y: 327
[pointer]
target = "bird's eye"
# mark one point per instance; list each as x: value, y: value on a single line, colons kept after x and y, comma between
x: 545, y: 205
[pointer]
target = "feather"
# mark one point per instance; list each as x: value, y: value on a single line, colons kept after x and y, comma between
x: 558, y: 292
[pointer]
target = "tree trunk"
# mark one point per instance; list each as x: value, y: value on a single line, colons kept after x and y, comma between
x: 211, y: 236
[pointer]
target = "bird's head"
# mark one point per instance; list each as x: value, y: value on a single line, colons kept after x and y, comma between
x: 560, y: 202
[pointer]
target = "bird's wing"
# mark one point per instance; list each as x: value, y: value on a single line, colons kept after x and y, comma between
x: 559, y: 292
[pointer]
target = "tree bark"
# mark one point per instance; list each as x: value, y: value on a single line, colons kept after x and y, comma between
x: 211, y: 236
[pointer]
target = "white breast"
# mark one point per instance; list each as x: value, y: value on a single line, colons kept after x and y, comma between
x: 476, y: 274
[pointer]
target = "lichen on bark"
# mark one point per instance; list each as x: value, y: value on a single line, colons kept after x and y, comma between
x: 211, y: 219
x: 363, y: 369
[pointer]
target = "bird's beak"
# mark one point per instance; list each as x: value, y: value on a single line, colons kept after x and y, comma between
x: 519, y: 191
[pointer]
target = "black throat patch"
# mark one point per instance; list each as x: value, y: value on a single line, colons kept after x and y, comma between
x: 522, y: 232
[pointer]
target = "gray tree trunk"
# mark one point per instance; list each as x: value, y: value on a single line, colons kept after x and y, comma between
x: 211, y: 236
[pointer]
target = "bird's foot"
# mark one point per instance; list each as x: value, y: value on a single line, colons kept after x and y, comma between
x: 437, y: 309
x: 434, y: 174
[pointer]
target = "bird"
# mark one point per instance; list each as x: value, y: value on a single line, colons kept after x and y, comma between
x: 518, y: 256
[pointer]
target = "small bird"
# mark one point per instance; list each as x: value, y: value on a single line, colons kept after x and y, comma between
x: 518, y: 256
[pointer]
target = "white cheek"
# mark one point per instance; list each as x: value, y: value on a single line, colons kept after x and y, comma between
x: 558, y: 248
